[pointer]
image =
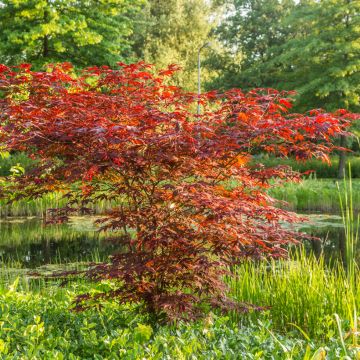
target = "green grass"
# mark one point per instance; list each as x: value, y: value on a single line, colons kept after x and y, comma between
x: 320, y: 168
x: 38, y: 207
x: 313, y: 195
x: 301, y: 291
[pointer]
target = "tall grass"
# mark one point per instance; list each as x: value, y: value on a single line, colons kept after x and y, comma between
x: 321, y: 169
x: 351, y: 221
x: 316, y: 195
x: 303, y: 291
x: 300, y: 292
x: 38, y: 207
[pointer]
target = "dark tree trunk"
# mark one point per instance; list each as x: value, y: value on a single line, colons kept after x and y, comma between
x: 342, y: 159
x: 46, y: 38
x: 317, y: 247
x: 45, y: 46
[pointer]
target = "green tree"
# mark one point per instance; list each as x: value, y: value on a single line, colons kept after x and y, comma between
x: 172, y: 31
x: 321, y: 60
x: 81, y: 31
x: 249, y: 34
x: 311, y: 46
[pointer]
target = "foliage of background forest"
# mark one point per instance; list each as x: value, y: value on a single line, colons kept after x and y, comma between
x: 311, y: 46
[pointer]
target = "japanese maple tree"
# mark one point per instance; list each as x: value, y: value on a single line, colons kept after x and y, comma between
x: 188, y: 202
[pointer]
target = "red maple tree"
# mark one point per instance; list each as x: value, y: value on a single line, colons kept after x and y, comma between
x: 189, y: 203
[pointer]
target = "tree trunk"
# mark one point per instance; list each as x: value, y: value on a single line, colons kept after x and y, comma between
x: 342, y: 159
x: 45, y: 46
x: 317, y: 247
x: 46, y: 38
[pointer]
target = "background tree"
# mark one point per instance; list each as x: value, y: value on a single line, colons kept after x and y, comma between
x: 249, y: 33
x: 312, y: 47
x: 321, y: 60
x: 173, y: 31
x: 85, y: 32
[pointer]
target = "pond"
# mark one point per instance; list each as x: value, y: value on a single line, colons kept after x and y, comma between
x: 31, y: 244
x: 329, y: 229
x: 28, y: 242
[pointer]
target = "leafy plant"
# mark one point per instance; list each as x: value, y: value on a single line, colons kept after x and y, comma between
x: 189, y: 204
x: 51, y: 31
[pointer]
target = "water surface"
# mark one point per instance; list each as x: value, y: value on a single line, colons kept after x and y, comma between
x: 31, y: 244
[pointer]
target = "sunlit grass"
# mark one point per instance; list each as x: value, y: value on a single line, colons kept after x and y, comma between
x: 38, y: 207
x: 300, y: 291
x: 316, y: 195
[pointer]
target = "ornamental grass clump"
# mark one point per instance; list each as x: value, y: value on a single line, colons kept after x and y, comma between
x: 126, y: 136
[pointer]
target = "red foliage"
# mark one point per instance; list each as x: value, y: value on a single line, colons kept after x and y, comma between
x: 189, y: 203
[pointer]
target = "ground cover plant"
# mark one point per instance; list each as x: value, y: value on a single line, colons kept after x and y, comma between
x: 36, y: 324
x: 125, y: 135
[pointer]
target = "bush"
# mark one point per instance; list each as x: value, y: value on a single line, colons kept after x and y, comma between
x: 6, y: 163
x: 125, y: 135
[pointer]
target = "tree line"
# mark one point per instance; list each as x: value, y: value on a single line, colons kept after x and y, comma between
x: 104, y: 32
x: 311, y: 46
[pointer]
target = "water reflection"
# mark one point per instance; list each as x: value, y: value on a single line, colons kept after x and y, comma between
x: 330, y: 230
x: 29, y: 242
x: 32, y: 244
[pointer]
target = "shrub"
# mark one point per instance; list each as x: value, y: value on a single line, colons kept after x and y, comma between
x: 188, y: 203
x: 18, y: 159
x: 320, y: 169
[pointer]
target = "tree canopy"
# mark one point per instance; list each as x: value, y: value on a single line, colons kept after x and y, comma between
x: 249, y: 34
x: 321, y: 59
x: 187, y: 204
x: 85, y: 32
x: 310, y: 46
x: 173, y: 31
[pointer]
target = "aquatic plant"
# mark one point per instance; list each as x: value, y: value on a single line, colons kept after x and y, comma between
x: 301, y: 291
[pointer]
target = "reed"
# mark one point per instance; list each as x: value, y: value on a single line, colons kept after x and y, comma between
x: 351, y: 221
x: 301, y: 292
x: 38, y: 207
x: 313, y: 195
x: 321, y: 169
